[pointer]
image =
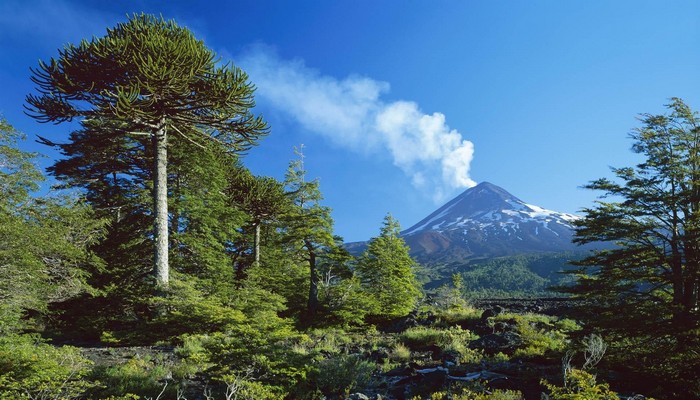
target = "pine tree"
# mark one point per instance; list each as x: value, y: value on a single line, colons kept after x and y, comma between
x: 386, y: 271
x: 149, y: 77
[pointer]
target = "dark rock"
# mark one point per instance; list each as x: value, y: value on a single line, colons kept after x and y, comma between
x: 451, y: 358
x: 400, y: 371
x: 493, y: 343
x: 492, y: 312
x: 379, y: 355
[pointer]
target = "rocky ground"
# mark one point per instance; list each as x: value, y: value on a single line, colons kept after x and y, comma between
x: 430, y: 369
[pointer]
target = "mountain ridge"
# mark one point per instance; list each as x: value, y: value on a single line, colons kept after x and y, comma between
x: 487, y: 221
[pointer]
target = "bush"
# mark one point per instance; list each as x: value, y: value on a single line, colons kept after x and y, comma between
x: 452, y: 339
x: 139, y: 376
x: 540, y: 334
x: 475, y: 395
x: 30, y: 368
x: 400, y: 353
x: 579, y: 385
x: 241, y: 388
x: 343, y: 374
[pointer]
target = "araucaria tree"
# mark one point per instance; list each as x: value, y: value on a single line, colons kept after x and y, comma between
x: 387, y: 273
x: 149, y: 77
x: 644, y: 288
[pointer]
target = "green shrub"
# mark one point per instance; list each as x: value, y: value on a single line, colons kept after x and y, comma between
x: 579, y: 385
x: 400, y: 353
x: 343, y: 374
x: 188, y: 308
x: 468, y: 394
x: 457, y: 315
x: 540, y: 334
x: 140, y: 376
x: 240, y: 388
x: 32, y: 369
x: 421, y: 337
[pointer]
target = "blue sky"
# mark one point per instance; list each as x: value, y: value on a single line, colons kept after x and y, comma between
x: 401, y: 105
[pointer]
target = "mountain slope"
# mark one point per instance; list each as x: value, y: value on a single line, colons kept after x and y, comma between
x: 486, y: 221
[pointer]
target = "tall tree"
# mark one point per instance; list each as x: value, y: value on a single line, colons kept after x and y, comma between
x: 308, y: 225
x: 149, y: 76
x: 648, y: 283
x: 387, y: 272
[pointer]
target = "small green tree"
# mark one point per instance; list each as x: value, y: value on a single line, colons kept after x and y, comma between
x: 386, y: 271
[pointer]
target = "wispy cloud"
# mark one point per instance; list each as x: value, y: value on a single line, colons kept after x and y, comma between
x: 350, y: 112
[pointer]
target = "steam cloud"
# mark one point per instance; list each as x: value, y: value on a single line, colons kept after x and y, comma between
x: 351, y: 113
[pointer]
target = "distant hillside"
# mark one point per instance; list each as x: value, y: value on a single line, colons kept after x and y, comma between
x: 524, y: 275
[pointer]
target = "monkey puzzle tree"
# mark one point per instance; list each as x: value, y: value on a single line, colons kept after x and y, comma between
x: 149, y: 77
x: 262, y: 198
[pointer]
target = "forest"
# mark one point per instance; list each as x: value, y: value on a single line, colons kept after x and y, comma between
x: 159, y: 267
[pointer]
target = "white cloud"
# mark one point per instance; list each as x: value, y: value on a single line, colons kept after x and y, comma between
x: 351, y: 113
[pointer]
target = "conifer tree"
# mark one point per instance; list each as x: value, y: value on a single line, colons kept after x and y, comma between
x: 386, y: 271
x: 262, y: 198
x: 149, y: 77
x: 308, y: 225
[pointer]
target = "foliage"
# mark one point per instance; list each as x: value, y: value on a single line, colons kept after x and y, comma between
x: 532, y: 275
x: 238, y: 387
x: 307, y: 225
x: 32, y: 369
x: 262, y: 199
x: 342, y: 374
x: 468, y: 394
x: 260, y: 346
x: 189, y: 307
x: 645, y: 289
x: 140, y: 376
x: 541, y: 335
x: 450, y: 297
x: 44, y: 242
x: 651, y: 276
x: 452, y: 339
x: 344, y: 302
x: 386, y: 272
x: 579, y: 385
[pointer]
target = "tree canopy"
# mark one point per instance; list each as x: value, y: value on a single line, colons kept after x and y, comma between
x: 644, y: 289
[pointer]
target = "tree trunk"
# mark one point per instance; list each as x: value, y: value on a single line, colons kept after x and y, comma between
x: 256, y: 246
x: 160, y: 231
x: 312, y: 305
